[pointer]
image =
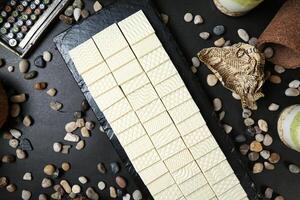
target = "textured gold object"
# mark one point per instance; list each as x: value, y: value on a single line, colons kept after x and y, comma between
x: 239, y: 68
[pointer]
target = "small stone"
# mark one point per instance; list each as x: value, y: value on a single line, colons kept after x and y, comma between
x: 66, y: 166
x: 211, y: 80
x: 227, y: 128
x: 244, y: 148
x: 243, y: 35
x: 56, y: 174
x: 21, y: 154
x: 19, y: 98
x: 80, y: 122
x: 240, y: 138
x: 10, y: 68
x: 11, y: 188
x: 101, y: 185
x: 85, y: 13
x: 253, y: 156
x: 252, y: 41
x: 49, y: 169
x: 47, y: 56
x: 40, y: 62
x: 27, y: 176
x: 263, y: 125
x: 8, y: 159
x: 256, y: 146
x: 58, y: 188
x: 26, y: 195
x: 248, y: 122
x: 54, y: 105
x: 80, y: 145
x: 82, y: 179
x: 25, y: 145
x: 194, y: 69
x: 114, y: 167
x: 121, y: 182
x: 227, y: 43
x: 188, y: 17
x: 292, y: 92
x: 40, y: 85
x: 275, y: 79
x: 294, y: 84
x: 127, y: 197
x: 236, y: 96
x: 66, y: 149
x: 268, y: 140
x: 265, y: 154
x: 269, y: 193
x: 77, y: 115
x: 69, y: 11
x: 27, y: 121
x: 273, y: 107
x: 258, y: 168
x: 85, y: 106
x: 52, y: 92
x: 56, y: 196
x: 46, y: 183
x: 57, y: 147
x: 13, y: 143
x: 279, y: 69
x: 137, y: 195
x: 112, y: 192
x: 259, y: 137
x: 204, y: 35
x: 42, y: 197
x: 78, y: 4
x: 3, y: 182
x: 219, y: 42
x: 246, y: 113
x: 198, y: 19
x: 72, y: 195
x: 24, y: 66
x: 217, y: 103
x: 7, y: 135
x: 89, y: 125
x: 268, y: 52
x: 30, y: 75
x: 269, y: 166
x: 65, y: 19
x: 101, y: 168
x: 279, y: 198
x: 257, y: 130
x: 76, y: 14
x: 274, y: 158
x: 164, y: 18
x: 70, y: 137
x: 222, y: 115
x: 70, y: 127
x: 294, y: 169
x: 76, y: 189
x: 196, y: 62
x: 97, y: 6
x: 219, y: 30
x: 66, y: 186
x: 92, y: 194
x: 15, y: 110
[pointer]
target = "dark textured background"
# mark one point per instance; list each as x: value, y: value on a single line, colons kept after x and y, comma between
x: 48, y: 126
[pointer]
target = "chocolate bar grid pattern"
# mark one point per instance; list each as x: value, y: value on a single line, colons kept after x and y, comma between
x: 134, y: 82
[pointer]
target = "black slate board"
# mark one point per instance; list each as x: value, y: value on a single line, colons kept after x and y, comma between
x: 115, y: 13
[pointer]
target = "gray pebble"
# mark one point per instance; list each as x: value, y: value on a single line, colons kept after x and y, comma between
x: 198, y: 19
x: 227, y: 43
x: 114, y: 166
x: 101, y: 185
x: 11, y: 188
x: 66, y: 149
x: 24, y: 66
x: 219, y: 30
x: 244, y: 148
x: 69, y: 11
x: 188, y: 17
x: 85, y: 13
x: 279, y: 69
x: 269, y: 193
x: 101, y: 168
x: 253, y: 156
x: 27, y: 176
x: 243, y: 35
x: 294, y: 169
x: 30, y: 75
x: 268, y: 140
x: 137, y: 195
x: 265, y: 154
x: 292, y: 92
x: 240, y: 138
x: 26, y: 195
x: 246, y: 113
x: 269, y: 52
x: 196, y: 62
x: 249, y: 122
x: 252, y: 41
x: 46, y: 183
x: 89, y: 125
x: 54, y: 105
x: 43, y: 197
x: 259, y: 137
x: 217, y: 103
x: 204, y: 35
x: 269, y: 166
x: 92, y: 194
x: 222, y: 115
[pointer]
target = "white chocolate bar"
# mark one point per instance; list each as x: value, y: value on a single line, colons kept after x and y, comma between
x: 136, y: 85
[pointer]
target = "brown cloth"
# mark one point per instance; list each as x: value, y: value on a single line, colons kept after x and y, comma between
x: 283, y: 34
x: 3, y: 106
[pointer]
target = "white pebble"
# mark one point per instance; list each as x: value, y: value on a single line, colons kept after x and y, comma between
x: 196, y: 62
x: 248, y: 122
x: 57, y: 147
x: 292, y: 92
x: 188, y: 17
x: 279, y: 69
x: 10, y: 68
x: 217, y: 104
x: 263, y: 125
x: 76, y: 189
x: 101, y: 185
x: 15, y: 133
x: 97, y: 6
x: 294, y: 84
x: 47, y: 56
x: 269, y: 52
x: 76, y: 14
x: 198, y: 19
x: 227, y: 128
x: 243, y: 35
x: 70, y: 137
x: 82, y: 179
x: 204, y: 35
x: 273, y: 107
x: 219, y: 42
x: 27, y: 176
x: 211, y: 80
